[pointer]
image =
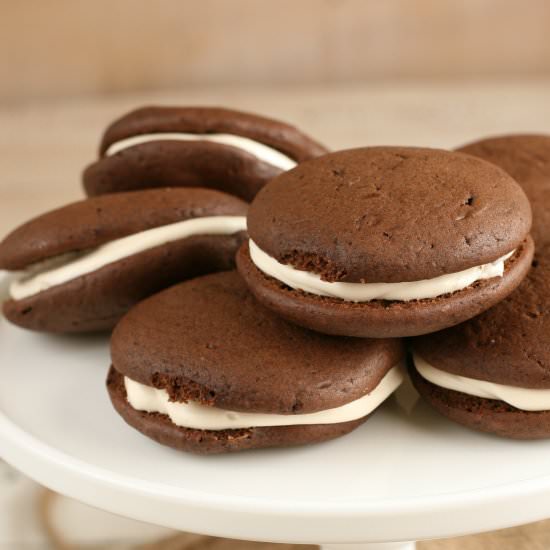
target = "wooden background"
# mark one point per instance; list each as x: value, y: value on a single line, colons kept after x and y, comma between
x: 52, y: 48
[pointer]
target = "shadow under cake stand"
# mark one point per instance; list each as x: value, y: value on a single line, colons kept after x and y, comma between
x: 405, y: 475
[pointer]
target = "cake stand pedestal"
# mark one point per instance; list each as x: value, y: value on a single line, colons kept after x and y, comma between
x: 406, y: 474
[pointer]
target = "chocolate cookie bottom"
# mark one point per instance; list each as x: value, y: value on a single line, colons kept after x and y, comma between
x: 379, y: 318
x: 486, y: 415
x: 162, y: 430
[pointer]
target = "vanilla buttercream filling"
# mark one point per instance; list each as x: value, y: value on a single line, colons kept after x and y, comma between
x: 365, y: 292
x: 64, y: 268
x: 526, y: 399
x: 259, y: 150
x: 203, y: 417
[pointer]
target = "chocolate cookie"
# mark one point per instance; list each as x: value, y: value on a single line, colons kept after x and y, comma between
x: 387, y: 241
x: 492, y: 373
x: 84, y: 265
x: 203, y: 367
x: 212, y: 147
x: 527, y: 159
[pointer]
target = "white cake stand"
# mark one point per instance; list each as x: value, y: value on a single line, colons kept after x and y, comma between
x: 407, y: 474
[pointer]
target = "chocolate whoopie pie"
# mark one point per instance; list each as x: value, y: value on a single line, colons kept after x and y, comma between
x: 387, y: 241
x: 527, y: 159
x: 492, y: 373
x: 84, y: 265
x: 224, y: 149
x: 203, y: 367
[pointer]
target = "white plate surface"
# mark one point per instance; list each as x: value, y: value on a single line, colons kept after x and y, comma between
x: 406, y: 474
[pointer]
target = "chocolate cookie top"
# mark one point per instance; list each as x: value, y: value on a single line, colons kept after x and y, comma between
x: 209, y: 340
x: 508, y: 344
x: 208, y: 120
x: 527, y: 159
x: 92, y: 222
x: 390, y: 214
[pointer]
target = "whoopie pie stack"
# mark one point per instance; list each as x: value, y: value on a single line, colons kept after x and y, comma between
x: 82, y: 266
x: 492, y: 373
x: 339, y: 255
x: 387, y: 241
x: 205, y: 368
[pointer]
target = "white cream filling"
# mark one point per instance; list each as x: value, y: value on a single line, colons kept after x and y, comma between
x: 526, y: 399
x: 47, y: 274
x: 203, y: 417
x: 364, y: 292
x: 255, y: 148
